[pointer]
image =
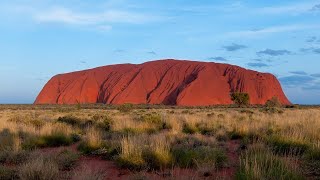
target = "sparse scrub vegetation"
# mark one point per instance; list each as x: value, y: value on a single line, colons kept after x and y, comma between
x: 241, y: 99
x: 266, y: 142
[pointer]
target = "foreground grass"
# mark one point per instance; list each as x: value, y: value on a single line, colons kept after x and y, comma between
x: 272, y: 143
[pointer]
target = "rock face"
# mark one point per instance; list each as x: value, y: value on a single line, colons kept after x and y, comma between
x: 170, y: 82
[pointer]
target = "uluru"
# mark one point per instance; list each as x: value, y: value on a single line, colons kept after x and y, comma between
x: 169, y: 82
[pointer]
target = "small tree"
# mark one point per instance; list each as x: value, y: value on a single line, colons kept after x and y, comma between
x: 241, y: 99
x: 273, y: 102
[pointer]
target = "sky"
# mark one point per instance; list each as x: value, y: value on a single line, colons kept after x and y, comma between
x: 42, y: 38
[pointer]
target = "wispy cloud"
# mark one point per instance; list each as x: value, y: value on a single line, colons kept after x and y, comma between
x: 101, y: 20
x: 299, y: 72
x: 310, y: 50
x: 272, y: 30
x: 296, y: 80
x: 316, y: 7
x: 315, y: 75
x: 217, y: 59
x: 68, y: 16
x: 257, y: 65
x: 119, y: 51
x: 272, y: 52
x: 311, y: 39
x: 152, y: 53
x: 234, y: 47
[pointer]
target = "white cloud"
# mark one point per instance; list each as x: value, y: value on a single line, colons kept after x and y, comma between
x: 67, y: 16
x: 288, y: 9
x: 101, y: 18
x: 272, y: 30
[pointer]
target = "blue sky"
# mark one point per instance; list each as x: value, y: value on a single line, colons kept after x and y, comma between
x: 39, y: 39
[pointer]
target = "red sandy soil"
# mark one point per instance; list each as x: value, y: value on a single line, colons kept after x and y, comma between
x: 111, y: 171
x: 169, y: 82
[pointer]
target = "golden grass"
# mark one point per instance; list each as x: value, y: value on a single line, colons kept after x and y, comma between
x: 150, y: 145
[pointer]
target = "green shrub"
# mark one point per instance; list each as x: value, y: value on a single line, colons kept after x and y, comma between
x: 103, y: 122
x: 273, y: 102
x: 107, y: 152
x: 66, y: 159
x: 272, y: 110
x: 85, y: 148
x: 13, y: 157
x: 189, y: 129
x: 205, y: 129
x: 157, y: 160
x: 72, y: 120
x: 284, y: 146
x: 7, y: 173
x: 32, y: 142
x: 241, y: 99
x: 210, y: 114
x: 131, y: 162
x: 261, y: 163
x: 234, y: 134
x: 7, y: 140
x: 127, y: 107
x: 192, y: 157
x: 312, y: 162
x: 39, y: 168
x: 54, y: 140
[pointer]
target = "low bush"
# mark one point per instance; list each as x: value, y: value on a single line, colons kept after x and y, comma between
x: 40, y: 168
x: 273, y: 102
x: 104, y: 123
x: 235, y: 134
x: 157, y: 159
x: 7, y: 173
x: 13, y: 157
x: 189, y: 128
x: 312, y: 163
x: 272, y: 110
x: 66, y: 159
x: 56, y: 139
x: 131, y: 154
x: 193, y: 157
x: 205, y: 129
x: 191, y: 151
x: 259, y: 162
x: 71, y: 120
x: 127, y: 107
x: 9, y: 141
x: 107, y: 152
x: 285, y: 146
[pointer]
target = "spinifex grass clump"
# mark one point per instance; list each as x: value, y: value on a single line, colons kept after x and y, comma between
x: 103, y: 122
x: 66, y: 159
x: 92, y: 141
x: 131, y: 153
x: 285, y: 145
x: 39, y: 167
x: 312, y: 162
x: 258, y: 162
x: 143, y: 152
x: 7, y: 173
x: 9, y: 141
x: 55, y: 139
x: 156, y: 120
x: 192, y: 152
